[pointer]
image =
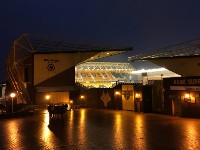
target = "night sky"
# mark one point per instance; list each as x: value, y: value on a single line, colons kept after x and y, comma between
x: 143, y: 24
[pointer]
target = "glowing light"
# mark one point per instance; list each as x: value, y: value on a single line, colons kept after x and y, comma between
x: 82, y: 128
x: 187, y: 95
x: 47, y: 97
x: 117, y: 93
x: 12, y: 136
x: 189, y: 98
x: 119, y: 133
x: 149, y: 70
x: 12, y: 95
x: 46, y: 135
x: 191, y: 138
x: 137, y: 95
x: 140, y: 130
x: 82, y: 96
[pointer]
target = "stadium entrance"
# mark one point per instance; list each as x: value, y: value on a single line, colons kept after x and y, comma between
x: 124, y: 96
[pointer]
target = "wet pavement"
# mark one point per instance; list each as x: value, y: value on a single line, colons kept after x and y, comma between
x: 95, y: 129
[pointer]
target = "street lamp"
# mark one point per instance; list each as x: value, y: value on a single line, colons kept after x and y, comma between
x: 12, y: 95
x: 82, y: 99
x: 71, y: 103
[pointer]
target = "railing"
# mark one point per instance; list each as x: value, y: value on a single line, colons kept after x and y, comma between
x: 15, y: 61
x: 17, y: 83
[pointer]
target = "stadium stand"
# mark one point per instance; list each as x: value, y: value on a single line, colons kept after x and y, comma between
x: 106, y: 74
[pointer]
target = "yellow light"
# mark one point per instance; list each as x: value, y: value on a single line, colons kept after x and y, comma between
x: 187, y: 95
x: 149, y: 70
x: 117, y: 93
x: 47, y: 97
x: 82, y: 96
x: 12, y: 95
x: 137, y: 95
x: 71, y: 102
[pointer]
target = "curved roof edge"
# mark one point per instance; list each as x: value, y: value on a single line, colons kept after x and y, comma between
x: 190, y: 48
x: 50, y: 44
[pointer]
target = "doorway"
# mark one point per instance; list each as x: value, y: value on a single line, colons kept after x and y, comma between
x: 176, y: 107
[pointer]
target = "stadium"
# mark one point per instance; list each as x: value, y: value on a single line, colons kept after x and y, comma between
x: 40, y: 66
x: 106, y: 74
x: 45, y: 70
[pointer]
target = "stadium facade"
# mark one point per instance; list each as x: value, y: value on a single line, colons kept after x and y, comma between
x: 44, y: 70
x: 181, y: 95
x: 41, y: 69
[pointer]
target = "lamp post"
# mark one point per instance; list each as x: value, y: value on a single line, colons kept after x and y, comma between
x: 82, y: 97
x: 82, y: 100
x: 12, y: 95
x: 71, y: 103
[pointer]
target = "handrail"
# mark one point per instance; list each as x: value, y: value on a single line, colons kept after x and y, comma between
x: 15, y: 79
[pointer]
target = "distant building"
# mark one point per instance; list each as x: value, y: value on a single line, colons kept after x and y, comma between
x: 2, y: 93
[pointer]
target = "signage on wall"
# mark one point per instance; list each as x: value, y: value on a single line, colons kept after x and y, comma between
x: 51, y: 64
x: 127, y: 94
x: 51, y: 67
x: 105, y: 97
x: 185, y: 88
x: 186, y: 81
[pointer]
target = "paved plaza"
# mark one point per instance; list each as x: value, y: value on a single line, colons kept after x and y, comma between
x: 100, y: 129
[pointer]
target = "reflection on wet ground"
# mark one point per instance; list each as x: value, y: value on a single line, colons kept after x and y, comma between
x: 100, y: 129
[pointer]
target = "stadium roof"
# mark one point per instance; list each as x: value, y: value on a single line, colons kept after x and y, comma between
x: 105, y: 66
x: 181, y: 58
x: 29, y: 43
x: 189, y: 48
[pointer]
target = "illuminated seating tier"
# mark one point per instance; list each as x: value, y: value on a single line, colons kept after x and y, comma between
x: 89, y: 76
